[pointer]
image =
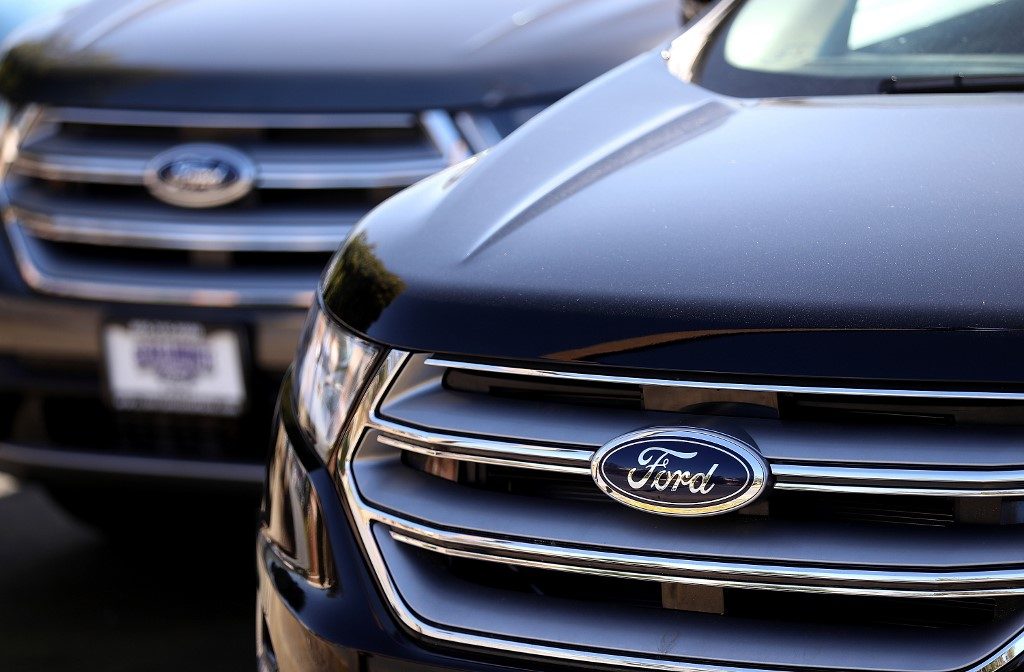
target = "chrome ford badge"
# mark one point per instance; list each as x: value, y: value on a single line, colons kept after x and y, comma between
x: 200, y: 175
x: 680, y: 471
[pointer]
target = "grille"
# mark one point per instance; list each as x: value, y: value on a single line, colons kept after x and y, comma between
x: 884, y: 543
x: 83, y: 223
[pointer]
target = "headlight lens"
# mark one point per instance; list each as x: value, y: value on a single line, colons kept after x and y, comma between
x: 331, y: 369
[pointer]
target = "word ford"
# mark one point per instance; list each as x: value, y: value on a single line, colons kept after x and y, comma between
x: 197, y: 174
x: 655, y: 463
x: 680, y: 471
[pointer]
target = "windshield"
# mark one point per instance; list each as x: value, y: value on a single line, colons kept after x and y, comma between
x: 808, y: 47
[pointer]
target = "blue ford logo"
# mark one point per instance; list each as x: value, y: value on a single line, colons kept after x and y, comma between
x: 200, y: 175
x: 680, y: 471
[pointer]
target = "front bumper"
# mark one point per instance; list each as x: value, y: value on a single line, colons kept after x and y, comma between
x: 55, y: 422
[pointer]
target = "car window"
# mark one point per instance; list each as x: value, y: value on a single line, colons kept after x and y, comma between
x: 859, y: 43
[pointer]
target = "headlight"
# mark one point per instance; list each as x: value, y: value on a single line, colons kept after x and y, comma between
x: 332, y: 366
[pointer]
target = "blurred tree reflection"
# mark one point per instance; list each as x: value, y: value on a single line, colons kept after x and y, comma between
x: 359, y: 287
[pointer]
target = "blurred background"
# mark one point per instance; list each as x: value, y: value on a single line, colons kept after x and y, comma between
x: 71, y: 598
x: 176, y: 173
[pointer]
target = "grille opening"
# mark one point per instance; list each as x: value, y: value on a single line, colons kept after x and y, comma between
x: 316, y: 137
x: 894, y: 510
x: 364, y: 198
x: 120, y: 195
x: 785, y: 406
x: 773, y: 606
x: 150, y: 259
x: 907, y: 411
x: 524, y: 387
x: 887, y: 510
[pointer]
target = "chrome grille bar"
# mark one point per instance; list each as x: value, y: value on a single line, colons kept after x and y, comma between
x: 161, y: 290
x: 609, y: 379
x: 209, y: 233
x: 640, y: 567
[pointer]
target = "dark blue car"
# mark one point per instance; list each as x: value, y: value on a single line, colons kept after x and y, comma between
x: 713, y: 365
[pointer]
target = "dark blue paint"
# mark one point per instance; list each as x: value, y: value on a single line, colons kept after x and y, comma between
x: 874, y: 237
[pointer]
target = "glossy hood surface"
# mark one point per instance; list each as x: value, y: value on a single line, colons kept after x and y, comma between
x: 649, y: 223
x: 305, y: 55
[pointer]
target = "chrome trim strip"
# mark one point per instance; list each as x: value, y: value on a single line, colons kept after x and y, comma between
x: 100, y: 290
x: 341, y: 465
x: 819, y: 580
x: 270, y: 174
x: 483, y: 451
x: 896, y: 480
x: 745, y: 387
x: 929, y: 482
x: 70, y: 168
x: 18, y: 457
x: 898, y: 490
x: 369, y: 174
x: 203, y: 234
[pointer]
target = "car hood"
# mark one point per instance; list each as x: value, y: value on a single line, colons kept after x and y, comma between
x: 645, y: 222
x: 305, y: 55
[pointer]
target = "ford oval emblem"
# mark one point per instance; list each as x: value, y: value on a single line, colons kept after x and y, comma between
x: 200, y: 175
x: 680, y: 471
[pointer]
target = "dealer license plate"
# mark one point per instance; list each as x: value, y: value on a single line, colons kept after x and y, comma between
x: 174, y: 367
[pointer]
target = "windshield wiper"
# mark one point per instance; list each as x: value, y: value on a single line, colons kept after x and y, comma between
x: 954, y: 84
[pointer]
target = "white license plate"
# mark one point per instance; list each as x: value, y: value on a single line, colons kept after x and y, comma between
x: 174, y: 367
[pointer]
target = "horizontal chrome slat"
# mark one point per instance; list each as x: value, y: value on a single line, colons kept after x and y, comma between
x: 295, y: 173
x: 375, y: 173
x: 71, y: 168
x: 623, y: 565
x: 485, y: 451
x: 887, y: 481
x: 194, y: 288
x: 187, y: 233
x: 607, y: 379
